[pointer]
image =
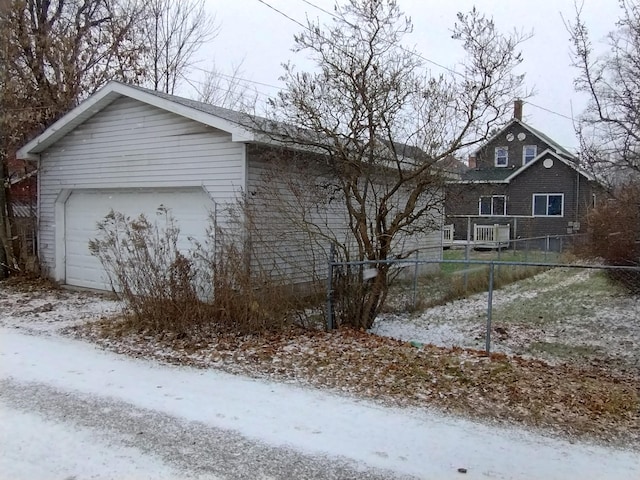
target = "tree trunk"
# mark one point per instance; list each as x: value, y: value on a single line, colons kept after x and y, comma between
x: 374, y: 299
x: 5, y: 243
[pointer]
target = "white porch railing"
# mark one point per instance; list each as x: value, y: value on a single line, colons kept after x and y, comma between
x: 491, y: 235
x: 447, y: 235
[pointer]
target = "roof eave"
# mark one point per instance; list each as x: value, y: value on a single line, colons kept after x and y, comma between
x: 494, y: 136
x: 105, y: 96
x: 477, y: 181
x: 557, y: 155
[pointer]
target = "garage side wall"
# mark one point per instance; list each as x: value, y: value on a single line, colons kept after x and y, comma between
x: 299, y: 212
x: 130, y: 145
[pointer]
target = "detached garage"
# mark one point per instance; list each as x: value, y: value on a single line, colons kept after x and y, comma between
x: 131, y: 150
x: 134, y: 150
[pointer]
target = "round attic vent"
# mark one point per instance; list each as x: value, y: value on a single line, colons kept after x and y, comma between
x: 521, y: 136
x: 510, y: 137
x: 548, y: 163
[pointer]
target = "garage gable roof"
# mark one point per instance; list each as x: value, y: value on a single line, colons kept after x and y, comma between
x: 235, y: 123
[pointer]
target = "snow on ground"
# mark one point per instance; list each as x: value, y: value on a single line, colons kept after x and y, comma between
x: 46, y: 310
x: 454, y: 323
x: 34, y: 448
x: 410, y: 442
x: 558, y: 315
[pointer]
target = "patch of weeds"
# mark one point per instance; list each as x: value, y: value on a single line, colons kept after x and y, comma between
x: 564, y: 351
x: 459, y: 286
x: 571, y: 297
x: 530, y: 312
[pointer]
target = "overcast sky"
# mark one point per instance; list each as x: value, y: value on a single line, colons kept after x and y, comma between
x: 261, y: 38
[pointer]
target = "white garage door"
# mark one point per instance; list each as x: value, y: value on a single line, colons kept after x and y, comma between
x: 83, y: 209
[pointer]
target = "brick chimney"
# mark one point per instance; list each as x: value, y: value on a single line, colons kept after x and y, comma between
x: 472, y: 161
x: 517, y: 109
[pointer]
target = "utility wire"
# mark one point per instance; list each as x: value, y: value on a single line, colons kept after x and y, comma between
x: 404, y: 49
x: 233, y: 77
x: 308, y: 2
x: 283, y: 14
x: 548, y: 110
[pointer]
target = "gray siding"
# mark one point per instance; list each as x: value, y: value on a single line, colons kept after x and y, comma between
x: 133, y: 145
x: 296, y: 246
x: 293, y: 221
x: 485, y: 157
x: 560, y: 178
x: 462, y: 199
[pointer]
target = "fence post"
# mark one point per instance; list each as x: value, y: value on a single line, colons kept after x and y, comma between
x: 487, y: 346
x: 466, y: 254
x: 330, y: 320
x: 415, y: 280
x: 547, y: 244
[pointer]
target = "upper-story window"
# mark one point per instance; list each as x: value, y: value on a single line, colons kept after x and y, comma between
x: 502, y: 156
x: 529, y: 152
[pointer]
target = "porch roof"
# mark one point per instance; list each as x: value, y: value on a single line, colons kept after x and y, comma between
x: 486, y: 175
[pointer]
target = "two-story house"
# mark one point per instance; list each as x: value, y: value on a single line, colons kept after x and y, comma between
x: 521, y: 178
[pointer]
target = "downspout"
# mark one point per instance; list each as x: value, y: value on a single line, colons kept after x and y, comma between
x: 38, y: 177
x: 577, y: 216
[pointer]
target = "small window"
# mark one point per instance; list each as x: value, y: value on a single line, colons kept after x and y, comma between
x: 548, y: 205
x: 493, y: 206
x: 502, y: 156
x: 529, y: 152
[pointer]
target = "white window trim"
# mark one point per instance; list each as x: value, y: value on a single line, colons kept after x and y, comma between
x: 533, y: 204
x: 504, y: 197
x: 524, y: 153
x: 495, y: 157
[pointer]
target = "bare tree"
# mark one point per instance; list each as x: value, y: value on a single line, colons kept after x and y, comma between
x: 227, y: 90
x: 175, y: 29
x: 382, y: 123
x: 53, y: 54
x: 609, y: 128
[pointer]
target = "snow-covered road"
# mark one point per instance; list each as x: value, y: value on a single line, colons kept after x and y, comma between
x: 69, y: 410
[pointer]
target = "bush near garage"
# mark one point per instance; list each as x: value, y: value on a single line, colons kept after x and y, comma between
x: 205, y: 289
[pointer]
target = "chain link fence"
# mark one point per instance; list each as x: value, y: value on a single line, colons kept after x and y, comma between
x: 547, y: 309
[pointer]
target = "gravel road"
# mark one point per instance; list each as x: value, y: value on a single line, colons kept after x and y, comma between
x: 193, y: 449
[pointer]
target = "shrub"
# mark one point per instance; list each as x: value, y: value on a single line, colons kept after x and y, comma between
x: 614, y: 235
x: 206, y: 288
x: 148, y: 272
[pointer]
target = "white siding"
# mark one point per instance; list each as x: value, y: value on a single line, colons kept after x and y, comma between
x: 130, y: 144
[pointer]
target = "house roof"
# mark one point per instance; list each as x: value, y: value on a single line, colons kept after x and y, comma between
x: 453, y: 166
x: 506, y: 175
x: 559, y: 148
x: 546, y: 154
x: 240, y: 118
x: 548, y: 140
x: 235, y: 123
x: 490, y: 175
